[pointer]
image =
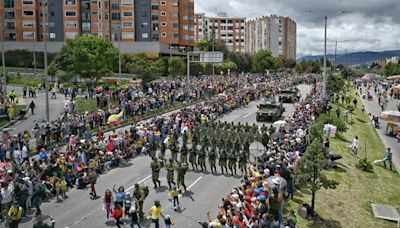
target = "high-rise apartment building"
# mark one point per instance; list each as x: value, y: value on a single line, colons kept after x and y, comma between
x: 275, y: 33
x: 201, y: 26
x: 230, y: 30
x: 169, y: 22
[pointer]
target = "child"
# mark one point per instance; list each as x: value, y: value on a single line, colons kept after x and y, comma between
x: 168, y: 221
x: 133, y: 214
x: 127, y: 202
x: 175, y: 193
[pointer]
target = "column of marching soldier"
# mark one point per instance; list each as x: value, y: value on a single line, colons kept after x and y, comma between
x: 222, y: 141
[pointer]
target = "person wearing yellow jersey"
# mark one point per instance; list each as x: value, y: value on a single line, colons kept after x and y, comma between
x: 155, y: 213
x: 15, y: 215
x: 175, y: 196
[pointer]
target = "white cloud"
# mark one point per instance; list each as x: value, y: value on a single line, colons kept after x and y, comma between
x: 369, y: 25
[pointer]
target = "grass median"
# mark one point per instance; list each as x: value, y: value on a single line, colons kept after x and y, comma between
x: 349, y: 205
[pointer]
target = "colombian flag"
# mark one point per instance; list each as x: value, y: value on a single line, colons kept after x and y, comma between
x: 116, y: 118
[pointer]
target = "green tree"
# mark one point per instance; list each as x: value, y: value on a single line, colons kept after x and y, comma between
x: 146, y: 68
x: 263, y: 61
x: 391, y: 69
x: 311, y: 168
x: 228, y: 65
x: 176, y: 66
x: 203, y: 45
x: 87, y: 57
x: 336, y: 83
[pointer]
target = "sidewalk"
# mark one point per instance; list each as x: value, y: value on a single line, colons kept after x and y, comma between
x: 55, y: 109
x: 388, y: 141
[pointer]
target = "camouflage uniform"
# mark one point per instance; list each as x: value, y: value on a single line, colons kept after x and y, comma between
x: 170, y: 172
x: 222, y: 161
x: 201, y: 160
x: 193, y: 157
x: 181, y: 169
x: 155, y: 169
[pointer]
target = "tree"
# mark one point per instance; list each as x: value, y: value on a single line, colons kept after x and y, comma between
x: 263, y: 61
x: 335, y: 83
x: 203, y: 45
x: 176, y: 66
x: 310, y: 175
x: 228, y: 65
x: 146, y: 68
x: 87, y: 57
x: 391, y: 69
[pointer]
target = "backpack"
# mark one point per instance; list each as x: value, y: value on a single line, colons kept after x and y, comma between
x: 42, y: 192
x: 146, y: 191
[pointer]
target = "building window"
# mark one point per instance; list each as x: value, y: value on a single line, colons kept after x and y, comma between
x: 99, y: 4
x: 115, y: 5
x: 155, y: 17
x: 127, y: 35
x: 86, y: 26
x: 29, y: 35
x: 70, y: 35
x: 116, y: 26
x: 71, y: 24
x: 127, y: 2
x: 163, y: 13
x: 10, y: 25
x: 27, y: 2
x: 155, y: 6
x: 99, y: 16
x: 163, y: 3
x: 175, y: 25
x: 185, y: 27
x: 163, y: 24
x: 163, y: 34
x: 52, y: 35
x: 9, y: 15
x: 99, y: 26
x: 11, y: 36
x: 70, y: 13
x: 105, y: 4
x: 70, y: 2
x: 106, y: 15
x: 175, y: 4
x: 128, y: 14
x: 127, y: 24
x: 156, y: 27
x: 9, y: 4
x: 29, y: 24
x: 145, y: 35
x: 175, y: 15
x: 144, y: 24
x: 176, y: 35
x: 28, y: 13
x: 115, y: 16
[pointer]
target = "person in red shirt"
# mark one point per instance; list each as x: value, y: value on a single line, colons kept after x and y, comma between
x: 117, y: 214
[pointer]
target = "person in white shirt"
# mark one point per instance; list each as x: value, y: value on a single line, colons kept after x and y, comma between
x: 7, y: 191
x: 355, y: 145
x: 30, y: 192
x: 25, y: 154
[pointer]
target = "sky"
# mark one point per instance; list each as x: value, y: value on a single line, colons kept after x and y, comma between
x: 366, y: 25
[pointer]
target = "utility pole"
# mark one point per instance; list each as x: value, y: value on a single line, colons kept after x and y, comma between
x: 34, y: 50
x: 213, y: 48
x: 46, y: 80
x: 119, y: 54
x: 3, y: 58
x: 335, y: 53
x: 324, y: 75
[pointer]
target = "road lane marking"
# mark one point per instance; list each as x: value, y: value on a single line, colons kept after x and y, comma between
x: 127, y: 190
x: 190, y: 186
x: 247, y: 115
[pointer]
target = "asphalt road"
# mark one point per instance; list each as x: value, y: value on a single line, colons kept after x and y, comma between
x: 56, y: 108
x: 204, y: 193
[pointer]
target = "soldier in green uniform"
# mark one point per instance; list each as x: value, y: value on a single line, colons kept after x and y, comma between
x: 232, y: 162
x: 140, y: 193
x: 152, y: 150
x: 170, y: 167
x: 201, y: 160
x: 211, y: 157
x: 184, y: 154
x: 155, y: 169
x: 181, y: 170
x: 243, y: 162
x: 174, y: 151
x: 222, y: 161
x: 193, y: 157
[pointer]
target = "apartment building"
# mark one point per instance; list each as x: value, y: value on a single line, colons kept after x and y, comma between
x: 274, y: 33
x: 201, y: 27
x: 230, y: 30
x: 167, y: 23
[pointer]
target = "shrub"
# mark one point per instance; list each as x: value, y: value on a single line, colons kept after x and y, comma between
x: 364, y: 165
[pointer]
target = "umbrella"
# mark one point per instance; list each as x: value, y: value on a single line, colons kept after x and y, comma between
x: 277, y: 135
x: 390, y: 116
x: 280, y: 122
x: 5, y: 165
x: 274, y: 180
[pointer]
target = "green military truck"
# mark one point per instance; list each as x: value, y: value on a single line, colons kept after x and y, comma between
x: 269, y: 111
x: 289, y: 96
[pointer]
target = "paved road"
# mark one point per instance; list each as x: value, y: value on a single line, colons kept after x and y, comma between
x: 56, y: 107
x: 389, y: 141
x: 204, y: 190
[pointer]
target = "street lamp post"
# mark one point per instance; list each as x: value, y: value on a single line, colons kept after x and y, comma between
x: 3, y: 58
x: 46, y: 80
x: 324, y: 75
x: 119, y: 54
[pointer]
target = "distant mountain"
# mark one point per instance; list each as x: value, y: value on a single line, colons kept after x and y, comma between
x: 355, y: 57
